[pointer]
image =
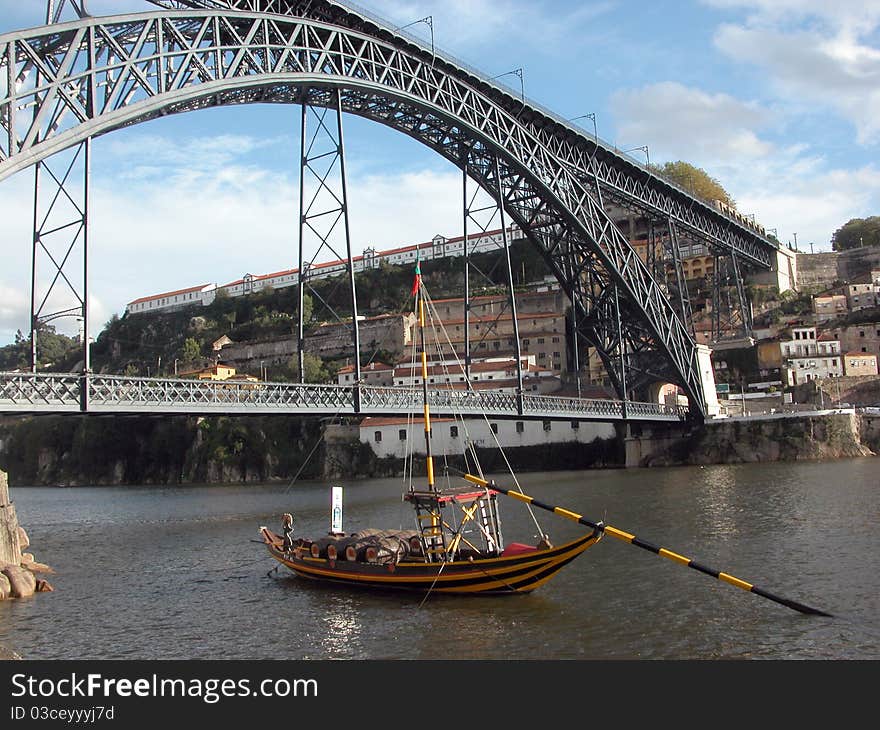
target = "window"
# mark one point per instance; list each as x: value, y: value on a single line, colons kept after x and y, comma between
x: 453, y: 432
x: 547, y: 425
x: 401, y: 434
x: 494, y: 427
x: 377, y: 436
x: 555, y: 339
x: 520, y: 427
x: 540, y: 340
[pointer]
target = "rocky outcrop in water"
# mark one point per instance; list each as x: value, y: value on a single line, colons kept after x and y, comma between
x: 18, y: 570
x: 807, y: 437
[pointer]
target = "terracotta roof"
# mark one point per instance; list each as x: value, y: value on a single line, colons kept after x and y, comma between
x: 170, y: 294
x: 374, y: 367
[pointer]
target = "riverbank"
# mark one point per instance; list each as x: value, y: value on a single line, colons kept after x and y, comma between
x: 822, y: 435
x: 75, y: 451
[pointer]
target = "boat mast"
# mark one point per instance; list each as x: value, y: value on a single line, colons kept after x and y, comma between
x: 420, y: 303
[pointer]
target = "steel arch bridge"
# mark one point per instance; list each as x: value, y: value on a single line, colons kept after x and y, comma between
x: 67, y: 83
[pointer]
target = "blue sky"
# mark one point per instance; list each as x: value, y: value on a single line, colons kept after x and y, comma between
x: 779, y: 100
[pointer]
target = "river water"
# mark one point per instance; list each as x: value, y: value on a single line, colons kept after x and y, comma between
x: 174, y: 573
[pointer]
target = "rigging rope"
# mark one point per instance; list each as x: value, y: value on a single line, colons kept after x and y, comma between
x: 438, y: 322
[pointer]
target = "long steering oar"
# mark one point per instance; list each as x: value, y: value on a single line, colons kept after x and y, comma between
x: 656, y: 549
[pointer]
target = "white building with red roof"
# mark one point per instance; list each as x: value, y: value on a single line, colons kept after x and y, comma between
x: 169, y: 301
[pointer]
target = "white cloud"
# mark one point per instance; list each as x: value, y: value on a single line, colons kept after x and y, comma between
x: 813, y: 53
x: 810, y: 200
x: 680, y: 122
x: 790, y: 188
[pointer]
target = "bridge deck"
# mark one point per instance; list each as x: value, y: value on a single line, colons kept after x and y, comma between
x: 29, y: 393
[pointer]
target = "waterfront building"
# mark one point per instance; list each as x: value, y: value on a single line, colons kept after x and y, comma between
x: 392, y: 436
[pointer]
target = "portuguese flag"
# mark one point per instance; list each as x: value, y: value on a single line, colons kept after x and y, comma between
x: 417, y: 280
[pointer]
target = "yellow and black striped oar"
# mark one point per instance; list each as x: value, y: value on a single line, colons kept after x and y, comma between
x: 656, y: 549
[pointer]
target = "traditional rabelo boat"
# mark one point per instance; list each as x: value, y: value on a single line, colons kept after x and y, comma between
x: 455, y: 546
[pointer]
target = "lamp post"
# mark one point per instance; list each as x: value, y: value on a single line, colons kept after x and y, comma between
x: 519, y: 73
x: 643, y: 148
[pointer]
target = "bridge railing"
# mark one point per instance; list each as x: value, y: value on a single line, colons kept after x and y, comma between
x: 43, y: 391
x: 62, y: 393
x: 223, y: 395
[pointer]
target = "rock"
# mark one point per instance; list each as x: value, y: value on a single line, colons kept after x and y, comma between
x: 7, y: 654
x: 22, y: 582
x: 43, y: 586
x: 29, y: 562
x: 5, y: 587
x: 23, y: 539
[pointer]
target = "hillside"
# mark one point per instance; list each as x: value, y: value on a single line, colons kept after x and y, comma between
x: 157, y: 344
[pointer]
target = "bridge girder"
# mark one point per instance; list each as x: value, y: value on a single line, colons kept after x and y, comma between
x: 75, y: 81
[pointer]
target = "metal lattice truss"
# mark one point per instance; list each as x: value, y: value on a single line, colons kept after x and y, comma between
x: 62, y: 393
x: 68, y: 83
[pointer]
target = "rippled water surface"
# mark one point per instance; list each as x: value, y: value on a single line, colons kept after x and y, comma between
x: 175, y: 573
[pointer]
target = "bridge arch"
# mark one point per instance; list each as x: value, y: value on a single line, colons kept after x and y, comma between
x: 78, y: 80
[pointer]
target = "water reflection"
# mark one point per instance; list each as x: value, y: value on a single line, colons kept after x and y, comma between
x: 341, y: 636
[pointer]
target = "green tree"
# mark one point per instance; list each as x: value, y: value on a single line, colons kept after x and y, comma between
x: 695, y: 180
x: 315, y: 370
x: 191, y: 350
x: 857, y: 232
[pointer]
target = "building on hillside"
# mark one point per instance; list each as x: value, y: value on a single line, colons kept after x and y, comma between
x: 173, y: 300
x: 859, y: 363
x: 254, y: 354
x: 375, y: 374
x: 830, y: 305
x: 492, y: 373
x: 221, y: 342
x: 395, y: 437
x: 436, y: 248
x: 862, y: 338
x: 806, y: 356
x: 862, y: 293
x: 211, y: 372
x: 541, y: 335
x: 387, y: 332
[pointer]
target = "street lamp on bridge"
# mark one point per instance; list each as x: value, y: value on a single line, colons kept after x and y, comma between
x: 643, y: 148
x: 519, y: 73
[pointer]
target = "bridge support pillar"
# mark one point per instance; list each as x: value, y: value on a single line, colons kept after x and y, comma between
x: 643, y: 441
x: 707, y: 378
